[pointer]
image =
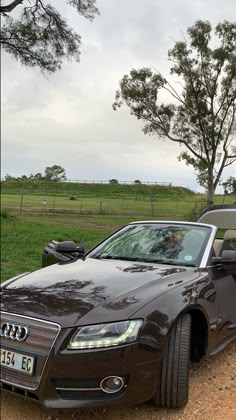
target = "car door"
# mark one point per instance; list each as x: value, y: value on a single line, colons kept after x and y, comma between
x: 225, y: 282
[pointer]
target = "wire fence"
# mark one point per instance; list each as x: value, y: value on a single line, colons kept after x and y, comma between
x: 116, y: 181
x: 98, y: 181
x: 172, y: 207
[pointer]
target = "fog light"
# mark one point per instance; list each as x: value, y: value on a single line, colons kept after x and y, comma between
x: 112, y: 384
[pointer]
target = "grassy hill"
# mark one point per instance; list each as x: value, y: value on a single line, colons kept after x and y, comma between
x: 104, y: 199
x: 84, y: 190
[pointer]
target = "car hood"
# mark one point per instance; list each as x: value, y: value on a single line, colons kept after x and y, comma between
x: 91, y: 290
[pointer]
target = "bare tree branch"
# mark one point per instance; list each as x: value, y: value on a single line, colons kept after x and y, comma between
x: 11, y: 6
x: 40, y: 36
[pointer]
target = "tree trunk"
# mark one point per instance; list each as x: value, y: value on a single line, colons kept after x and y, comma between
x: 210, y: 187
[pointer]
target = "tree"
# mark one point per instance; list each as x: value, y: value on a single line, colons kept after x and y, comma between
x: 38, y: 177
x: 9, y: 177
x: 201, y: 116
x: 230, y: 185
x: 55, y: 173
x: 40, y: 36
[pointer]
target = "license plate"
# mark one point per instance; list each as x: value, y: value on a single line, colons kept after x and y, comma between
x: 17, y: 361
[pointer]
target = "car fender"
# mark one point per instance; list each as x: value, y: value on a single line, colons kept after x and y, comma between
x: 161, y: 314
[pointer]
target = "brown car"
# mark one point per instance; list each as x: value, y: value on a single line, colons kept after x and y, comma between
x: 122, y: 323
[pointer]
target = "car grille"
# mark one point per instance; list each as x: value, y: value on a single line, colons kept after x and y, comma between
x: 38, y: 344
x: 84, y: 390
x: 88, y: 395
x: 18, y: 391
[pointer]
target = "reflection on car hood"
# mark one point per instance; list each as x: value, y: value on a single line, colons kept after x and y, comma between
x: 102, y: 290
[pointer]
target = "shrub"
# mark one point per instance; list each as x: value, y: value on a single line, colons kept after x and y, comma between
x: 5, y: 214
x: 196, y: 211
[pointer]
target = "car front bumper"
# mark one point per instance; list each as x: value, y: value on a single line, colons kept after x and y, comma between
x: 71, y: 379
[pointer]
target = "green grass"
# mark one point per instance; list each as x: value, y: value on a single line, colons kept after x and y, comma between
x: 83, y: 190
x: 98, y: 210
x: 165, y: 206
x: 145, y: 201
x: 23, y: 239
x: 108, y: 199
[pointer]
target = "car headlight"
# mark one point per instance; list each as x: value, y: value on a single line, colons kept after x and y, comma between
x: 105, y: 335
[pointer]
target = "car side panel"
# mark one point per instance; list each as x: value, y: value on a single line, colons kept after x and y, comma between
x: 162, y: 313
x: 225, y: 283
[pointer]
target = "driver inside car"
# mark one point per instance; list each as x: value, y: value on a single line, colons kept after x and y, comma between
x: 170, y: 246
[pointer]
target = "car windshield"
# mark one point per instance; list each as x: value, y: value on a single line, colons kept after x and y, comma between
x: 176, y: 244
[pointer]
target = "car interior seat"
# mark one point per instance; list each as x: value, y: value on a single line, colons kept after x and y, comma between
x: 217, y: 246
x: 229, y: 242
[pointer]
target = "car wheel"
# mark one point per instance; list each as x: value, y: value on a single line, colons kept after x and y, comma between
x: 173, y: 376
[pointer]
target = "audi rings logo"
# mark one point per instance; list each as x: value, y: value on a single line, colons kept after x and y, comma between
x: 14, y: 332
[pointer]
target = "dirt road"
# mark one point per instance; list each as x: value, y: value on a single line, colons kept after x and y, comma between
x: 212, y: 397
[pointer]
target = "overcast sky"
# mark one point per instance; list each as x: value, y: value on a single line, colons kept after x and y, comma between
x: 67, y: 118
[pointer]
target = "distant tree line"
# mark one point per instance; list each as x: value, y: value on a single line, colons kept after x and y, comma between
x: 53, y: 173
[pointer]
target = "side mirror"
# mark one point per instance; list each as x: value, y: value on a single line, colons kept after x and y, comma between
x: 229, y: 255
x: 82, y: 247
x: 70, y: 246
x: 227, y: 259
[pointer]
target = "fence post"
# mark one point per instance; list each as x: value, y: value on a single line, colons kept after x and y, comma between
x: 100, y: 207
x: 81, y: 204
x: 176, y: 206
x: 21, y: 203
x: 152, y: 205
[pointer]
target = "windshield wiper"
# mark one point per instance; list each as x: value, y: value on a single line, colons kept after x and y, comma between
x: 116, y: 257
x: 143, y: 260
x: 169, y: 262
x: 178, y: 263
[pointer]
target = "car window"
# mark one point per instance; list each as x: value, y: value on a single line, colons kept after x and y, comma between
x: 156, y: 242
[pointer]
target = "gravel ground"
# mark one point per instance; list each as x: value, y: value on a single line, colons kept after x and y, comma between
x: 212, y: 396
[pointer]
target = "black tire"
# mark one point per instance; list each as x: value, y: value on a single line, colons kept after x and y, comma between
x: 173, y: 378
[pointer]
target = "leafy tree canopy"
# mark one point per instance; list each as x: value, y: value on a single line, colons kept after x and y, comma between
x: 55, y: 173
x: 201, y: 115
x: 39, y: 35
x: 230, y: 185
x: 52, y: 173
